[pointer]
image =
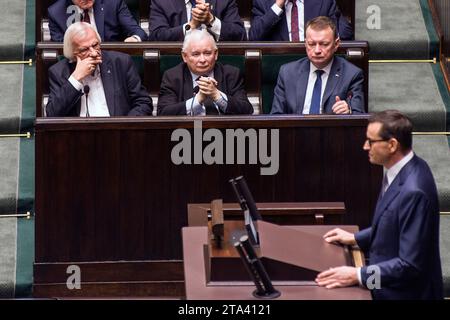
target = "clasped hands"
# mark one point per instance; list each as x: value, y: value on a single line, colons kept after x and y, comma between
x: 201, y: 14
x: 207, y: 88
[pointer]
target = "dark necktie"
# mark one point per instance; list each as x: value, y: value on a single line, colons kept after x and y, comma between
x: 384, y: 185
x: 317, y: 94
x: 210, y: 107
x: 294, y: 22
x: 193, y: 3
x: 86, y: 17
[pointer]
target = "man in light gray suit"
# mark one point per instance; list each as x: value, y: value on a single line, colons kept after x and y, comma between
x: 321, y: 83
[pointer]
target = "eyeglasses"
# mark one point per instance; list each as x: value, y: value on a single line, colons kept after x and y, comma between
x: 84, y: 50
x: 371, y: 142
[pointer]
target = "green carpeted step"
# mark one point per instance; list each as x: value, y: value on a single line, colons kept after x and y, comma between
x: 445, y: 252
x: 403, y: 30
x: 8, y: 239
x: 10, y: 93
x: 410, y: 88
x: 12, y: 26
x: 435, y: 150
x: 9, y: 165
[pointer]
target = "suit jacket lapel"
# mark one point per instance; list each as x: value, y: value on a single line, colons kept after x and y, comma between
x: 218, y: 75
x: 301, y: 85
x: 392, y: 192
x: 333, y: 80
x: 107, y: 74
x: 188, y: 89
x: 180, y: 7
x: 99, y: 14
x: 310, y: 9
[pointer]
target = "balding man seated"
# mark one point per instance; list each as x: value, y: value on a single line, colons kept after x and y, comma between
x: 91, y: 82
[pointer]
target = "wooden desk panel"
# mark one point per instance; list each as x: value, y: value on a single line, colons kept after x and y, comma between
x: 106, y: 189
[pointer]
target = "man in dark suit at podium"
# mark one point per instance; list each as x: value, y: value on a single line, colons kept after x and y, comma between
x: 403, y: 241
x: 200, y: 85
x: 322, y: 83
x: 111, y: 18
x: 90, y: 82
x: 285, y: 20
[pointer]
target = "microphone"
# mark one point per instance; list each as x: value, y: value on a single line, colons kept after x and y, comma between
x: 349, y: 98
x: 86, y: 93
x: 196, y: 90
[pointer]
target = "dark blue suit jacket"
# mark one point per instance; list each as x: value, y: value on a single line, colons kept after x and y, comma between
x: 404, y: 238
x: 113, y: 20
x: 123, y: 90
x: 176, y: 89
x: 168, y: 16
x: 267, y: 26
x: 345, y: 80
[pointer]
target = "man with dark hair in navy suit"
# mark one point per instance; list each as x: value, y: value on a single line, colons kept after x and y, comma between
x: 111, y: 19
x: 94, y: 83
x: 171, y: 20
x: 321, y: 83
x: 403, y: 241
x: 284, y: 20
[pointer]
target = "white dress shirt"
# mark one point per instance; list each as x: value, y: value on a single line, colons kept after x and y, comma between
x: 215, y: 28
x: 96, y: 99
x: 301, y: 17
x: 311, y: 82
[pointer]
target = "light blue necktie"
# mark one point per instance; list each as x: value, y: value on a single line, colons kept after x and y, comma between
x: 317, y: 94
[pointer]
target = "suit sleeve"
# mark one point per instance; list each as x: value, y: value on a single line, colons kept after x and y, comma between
x: 279, y: 94
x: 63, y: 96
x: 160, y: 29
x: 237, y: 96
x: 262, y: 22
x: 168, y: 100
x: 415, y: 227
x: 363, y: 239
x: 128, y: 23
x: 357, y: 93
x: 232, y: 27
x: 141, y: 103
x: 56, y: 34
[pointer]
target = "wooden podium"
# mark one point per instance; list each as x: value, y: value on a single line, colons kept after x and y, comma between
x: 292, y: 255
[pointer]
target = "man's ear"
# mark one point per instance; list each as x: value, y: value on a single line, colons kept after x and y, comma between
x: 184, y: 56
x: 394, y: 145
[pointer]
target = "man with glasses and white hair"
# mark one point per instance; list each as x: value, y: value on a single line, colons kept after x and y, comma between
x: 403, y: 241
x: 90, y: 82
x: 200, y: 85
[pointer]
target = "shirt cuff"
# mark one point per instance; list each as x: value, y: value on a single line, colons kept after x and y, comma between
x: 216, y: 27
x: 197, y: 108
x: 222, y: 102
x: 277, y: 10
x: 75, y: 83
x: 137, y: 37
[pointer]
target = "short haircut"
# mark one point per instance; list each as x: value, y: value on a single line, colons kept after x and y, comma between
x: 396, y: 125
x: 321, y: 23
x: 78, y: 29
x: 198, y: 35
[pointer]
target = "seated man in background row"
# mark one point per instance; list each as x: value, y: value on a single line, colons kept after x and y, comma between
x: 110, y: 18
x: 109, y: 82
x: 284, y: 20
x: 321, y: 82
x: 171, y: 20
x: 199, y: 85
